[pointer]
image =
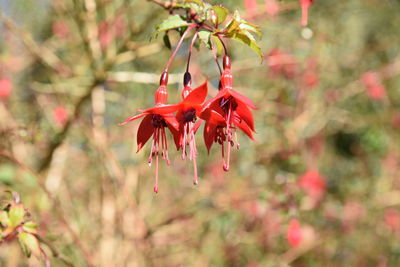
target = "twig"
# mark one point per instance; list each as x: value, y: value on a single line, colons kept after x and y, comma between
x: 40, y: 179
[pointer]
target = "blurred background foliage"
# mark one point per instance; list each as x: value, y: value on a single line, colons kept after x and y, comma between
x: 319, y: 187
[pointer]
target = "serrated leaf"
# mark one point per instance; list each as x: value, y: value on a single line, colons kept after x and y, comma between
x: 30, y: 227
x: 219, y: 45
x: 244, y: 25
x: 173, y: 22
x: 24, y: 248
x: 30, y: 242
x: 247, y: 39
x: 204, y: 37
x: 221, y: 13
x: 166, y: 40
x: 197, y: 2
x: 16, y: 215
x: 232, y: 27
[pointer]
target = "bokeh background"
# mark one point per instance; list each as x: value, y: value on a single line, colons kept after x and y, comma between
x: 320, y: 186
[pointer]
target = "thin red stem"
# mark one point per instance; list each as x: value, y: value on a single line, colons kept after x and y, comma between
x: 190, y: 50
x: 178, y: 46
x: 223, y: 44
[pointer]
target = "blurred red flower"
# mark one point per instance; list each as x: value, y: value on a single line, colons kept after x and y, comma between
x: 313, y: 183
x: 294, y: 234
x: 251, y: 7
x: 5, y: 88
x: 392, y: 219
x: 60, y: 115
x: 271, y: 7
x: 305, y: 5
x: 60, y: 29
x: 376, y: 92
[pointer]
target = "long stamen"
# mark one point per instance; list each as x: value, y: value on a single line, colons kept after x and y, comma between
x: 156, y: 180
x: 166, y: 146
x: 193, y: 155
x: 150, y: 159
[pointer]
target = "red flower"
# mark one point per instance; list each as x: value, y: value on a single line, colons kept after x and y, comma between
x: 186, y: 116
x: 313, y: 183
x: 294, y: 234
x: 234, y: 108
x: 305, y: 4
x: 154, y: 124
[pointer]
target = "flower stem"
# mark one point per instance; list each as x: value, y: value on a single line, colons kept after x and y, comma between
x: 190, y: 50
x: 223, y: 44
x: 178, y: 46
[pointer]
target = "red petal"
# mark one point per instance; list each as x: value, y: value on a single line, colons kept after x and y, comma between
x: 162, y: 109
x: 177, y: 136
x: 216, y: 118
x: 245, y: 114
x: 198, y: 95
x: 171, y: 120
x: 197, y: 125
x: 244, y: 127
x: 132, y: 119
x: 210, y: 130
x: 145, y: 131
x: 243, y: 98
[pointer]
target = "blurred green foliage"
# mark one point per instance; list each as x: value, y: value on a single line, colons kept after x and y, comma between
x: 328, y: 100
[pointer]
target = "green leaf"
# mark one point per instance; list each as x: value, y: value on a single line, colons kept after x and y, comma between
x: 30, y: 227
x: 170, y: 23
x: 166, y: 40
x: 247, y: 39
x: 250, y: 27
x: 197, y: 2
x: 29, y: 244
x: 16, y: 215
x: 4, y: 220
x: 219, y: 45
x: 232, y: 27
x: 204, y: 37
x: 220, y: 13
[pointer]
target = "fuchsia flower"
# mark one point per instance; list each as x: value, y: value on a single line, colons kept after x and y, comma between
x: 154, y: 124
x: 186, y: 116
x: 305, y: 5
x: 234, y: 108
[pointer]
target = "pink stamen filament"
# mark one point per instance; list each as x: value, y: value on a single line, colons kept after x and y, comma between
x: 304, y: 15
x: 189, y: 139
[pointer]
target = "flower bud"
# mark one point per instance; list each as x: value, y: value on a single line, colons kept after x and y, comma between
x: 164, y: 78
x: 226, y: 62
x: 187, y: 79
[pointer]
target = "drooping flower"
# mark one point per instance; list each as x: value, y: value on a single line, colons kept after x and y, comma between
x: 187, y: 112
x: 235, y: 110
x: 305, y: 5
x: 294, y: 233
x: 154, y: 124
